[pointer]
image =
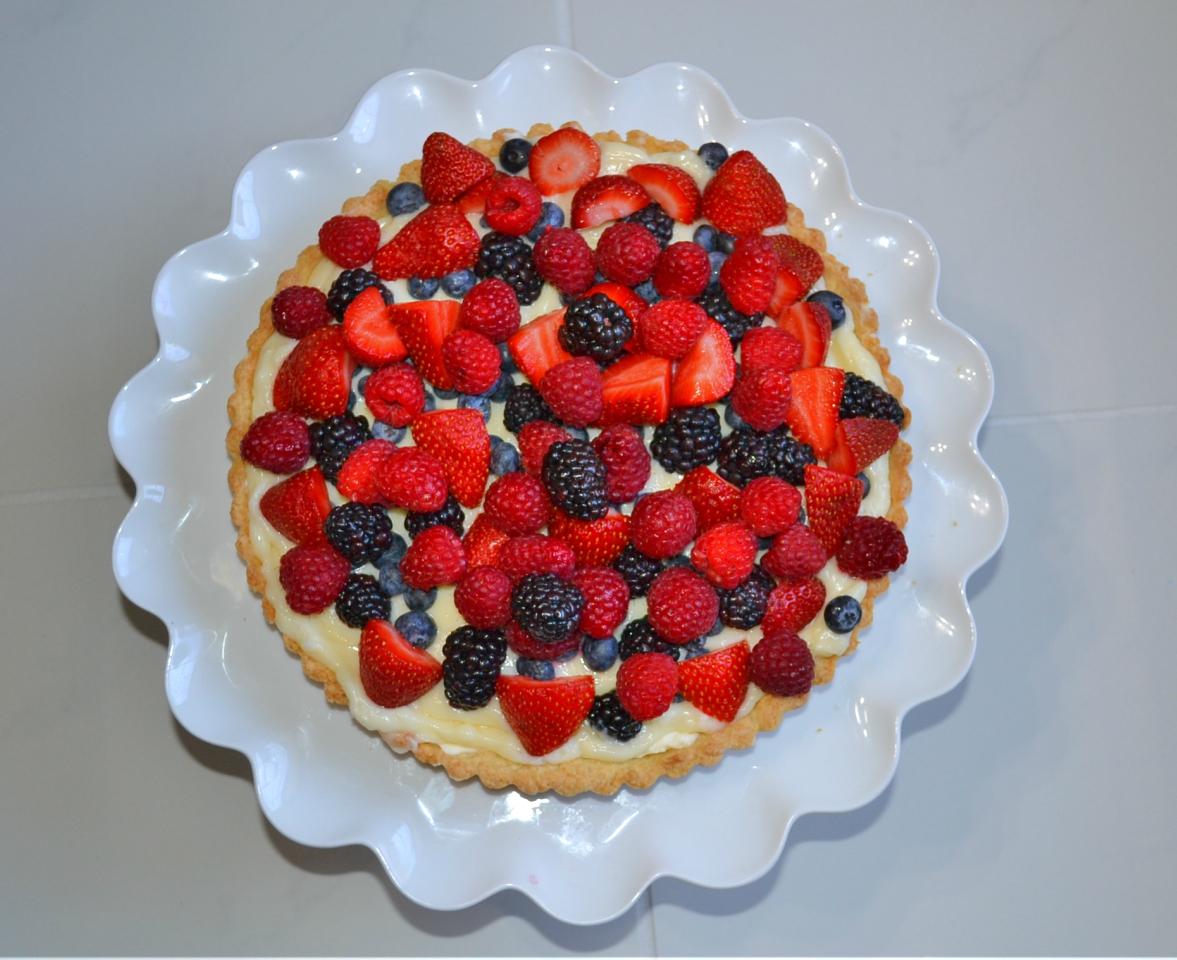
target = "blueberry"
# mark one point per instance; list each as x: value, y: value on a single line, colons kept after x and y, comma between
x: 704, y: 236
x: 733, y: 419
x: 716, y: 628
x: 397, y: 548
x: 351, y: 401
x: 713, y: 154
x: 599, y: 655
x: 362, y: 384
x: 420, y: 599
x: 865, y: 484
x: 764, y: 543
x: 579, y: 433
x: 717, y: 259
x: 801, y: 516
x: 696, y: 648
x: 550, y: 215
x: 682, y: 560
x: 536, y: 669
x: 843, y: 614
x: 405, y: 198
x: 483, y: 222
x: 514, y: 154
x: 502, y: 389
x: 445, y: 394
x: 430, y: 401
x: 416, y: 627
x: 646, y: 291
x: 833, y: 304
x: 423, y: 289
x: 725, y: 242
x: 386, y: 431
x: 458, y: 283
x: 391, y: 581
x: 504, y: 457
x: 508, y: 361
x: 481, y: 404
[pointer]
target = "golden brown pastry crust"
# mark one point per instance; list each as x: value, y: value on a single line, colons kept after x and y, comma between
x: 581, y: 775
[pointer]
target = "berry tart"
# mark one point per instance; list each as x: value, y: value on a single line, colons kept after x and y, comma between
x: 567, y: 461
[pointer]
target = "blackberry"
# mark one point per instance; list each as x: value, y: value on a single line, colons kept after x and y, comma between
x: 546, y: 606
x: 656, y: 220
x: 595, y: 327
x: 612, y: 719
x: 450, y: 515
x: 575, y: 479
x: 361, y: 533
x: 333, y: 440
x: 523, y: 405
x: 744, y: 456
x: 473, y: 659
x: 509, y: 259
x: 743, y: 606
x: 637, y: 570
x: 719, y: 308
x: 862, y: 398
x: 789, y: 456
x: 349, y: 285
x: 361, y: 600
x: 639, y: 637
x: 689, y: 438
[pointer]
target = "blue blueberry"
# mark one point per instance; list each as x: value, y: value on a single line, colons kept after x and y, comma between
x: 445, y: 394
x: 599, y: 655
x: 716, y: 628
x: 536, y: 669
x: 351, y: 400
x: 483, y: 222
x: 764, y: 543
x: 733, y: 419
x: 801, y: 516
x: 420, y: 599
x: 514, y: 154
x: 696, y: 648
x: 386, y: 431
x: 843, y: 614
x: 397, y: 547
x: 646, y: 291
x: 421, y: 288
x: 391, y: 581
x: 458, y: 283
x: 577, y: 433
x: 717, y: 260
x: 567, y: 655
x: 481, y: 404
x: 509, y: 365
x: 865, y: 484
x: 430, y: 401
x: 502, y: 389
x: 704, y: 236
x: 405, y: 198
x: 713, y: 154
x: 682, y: 560
x: 550, y: 215
x: 361, y: 384
x: 417, y: 627
x: 504, y: 457
x: 833, y: 304
x: 725, y: 242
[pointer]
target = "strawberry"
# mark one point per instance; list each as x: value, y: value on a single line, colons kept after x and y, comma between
x: 813, y: 406
x: 595, y: 542
x: 298, y: 506
x: 449, y: 168
x: 358, y: 477
x: 437, y: 241
x: 392, y: 670
x: 563, y: 160
x: 423, y: 326
x: 788, y: 291
x: 607, y: 198
x: 315, y: 379
x: 707, y: 371
x: 482, y: 542
x: 831, y: 502
x: 474, y: 199
x: 809, y: 323
x: 636, y: 390
x: 865, y: 439
x: 545, y: 713
x: 799, y: 258
x: 717, y: 682
x: 458, y: 438
x: 369, y: 332
x: 743, y: 198
x: 535, y: 346
x: 673, y: 188
x: 714, y: 499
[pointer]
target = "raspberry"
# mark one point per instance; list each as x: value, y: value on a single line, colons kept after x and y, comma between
x: 671, y: 327
x: 513, y: 206
x: 312, y: 577
x: 564, y: 258
x: 606, y: 600
x: 296, y: 311
x: 761, y: 398
x: 472, y: 361
x: 748, y: 276
x: 796, y: 552
x: 626, y: 460
x: 683, y: 271
x: 534, y: 440
x: 782, y: 664
x: 435, y: 557
x: 349, y: 241
x: 681, y: 605
x: 770, y: 347
x: 646, y: 685
x: 531, y: 648
x: 491, y: 308
x: 627, y: 253
x: 793, y: 604
x: 871, y: 548
x: 574, y: 391
x: 715, y: 500
x: 413, y: 479
x: 769, y: 505
x: 517, y: 504
x: 725, y: 554
x: 662, y: 524
x: 277, y: 441
x: 483, y: 598
x: 395, y: 394
x: 533, y: 553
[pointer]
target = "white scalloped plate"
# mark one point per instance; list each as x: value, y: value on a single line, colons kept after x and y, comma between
x: 321, y: 779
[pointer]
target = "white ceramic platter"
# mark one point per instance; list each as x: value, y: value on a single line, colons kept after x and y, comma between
x: 324, y: 781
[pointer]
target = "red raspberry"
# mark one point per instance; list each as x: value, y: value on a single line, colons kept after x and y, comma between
x: 524, y: 644
x: 517, y: 504
x: 769, y: 505
x: 513, y: 206
x: 574, y: 391
x: 761, y: 398
x: 748, y: 276
x: 312, y: 577
x: 662, y: 524
x: 533, y: 553
x: 671, y: 327
x: 606, y: 600
x: 564, y: 258
x: 435, y: 557
x: 770, y: 347
x: 534, y: 440
x: 491, y: 308
x: 683, y: 271
x: 681, y: 605
x: 277, y: 441
x: 796, y: 552
x: 413, y: 479
x: 472, y: 361
x: 395, y: 394
x: 792, y: 605
x: 646, y: 684
x: 725, y: 554
x: 782, y: 664
x: 357, y: 477
x: 296, y: 311
x: 626, y: 460
x: 627, y: 253
x: 715, y: 500
x: 483, y: 598
x: 349, y: 241
x: 871, y: 548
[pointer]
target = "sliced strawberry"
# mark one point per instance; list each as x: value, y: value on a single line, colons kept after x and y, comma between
x: 423, y: 326
x: 840, y: 457
x: 315, y: 379
x: 545, y: 713
x: 793, y: 604
x: 868, y: 438
x: 596, y: 543
x: 707, y: 371
x: 482, y: 542
x: 636, y: 390
x: 805, y: 262
x: 813, y: 406
x: 563, y: 160
x: 437, y: 241
x: 535, y: 347
x: 809, y: 323
x: 369, y: 332
x: 672, y: 187
x: 392, y: 670
x: 458, y: 438
x: 743, y: 198
x: 357, y: 478
x: 787, y: 292
x: 831, y: 502
x: 298, y: 506
x: 449, y: 168
x: 717, y: 682
x: 474, y: 199
x: 715, y: 500
x: 607, y: 198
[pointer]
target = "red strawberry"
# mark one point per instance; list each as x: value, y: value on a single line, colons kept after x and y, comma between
x: 563, y: 160
x: 646, y: 684
x: 472, y: 361
x: 793, y: 604
x: 534, y: 440
x: 809, y: 323
x: 595, y: 542
x: 474, y: 199
x: 707, y: 371
x: 715, y: 500
x: 482, y: 542
x: 437, y: 241
x: 671, y: 327
x: 492, y: 309
x: 315, y: 379
x: 813, y: 406
x: 831, y: 502
x: 349, y: 241
x: 861, y: 441
x: 545, y: 713
x: 717, y: 682
x: 636, y: 390
x: 573, y: 391
x: 423, y: 327
x: 748, y: 276
x: 769, y: 347
x: 458, y: 438
x: 298, y: 506
x: 435, y: 557
x: 743, y: 198
x: 358, y: 477
x: 672, y: 187
x: 449, y: 168
x: 312, y: 575
x: 796, y: 552
x: 802, y: 260
x: 277, y: 441
x: 761, y: 398
x: 369, y: 332
x: 513, y: 206
x: 535, y: 346
x: 410, y: 478
x: 871, y: 548
x: 392, y: 670
x: 607, y: 198
x: 787, y: 291
x: 683, y: 271
x: 725, y: 554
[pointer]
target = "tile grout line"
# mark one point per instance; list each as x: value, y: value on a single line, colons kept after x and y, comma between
x: 1068, y: 416
x: 33, y: 497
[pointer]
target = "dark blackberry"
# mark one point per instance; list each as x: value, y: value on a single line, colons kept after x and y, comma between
x: 349, y: 285
x: 523, y: 405
x: 333, y: 440
x: 359, y: 532
x: 743, y: 606
x: 595, y: 327
x: 612, y: 719
x: 744, y: 456
x: 509, y: 259
x: 473, y: 659
x: 575, y: 479
x: 361, y: 600
x: 789, y: 456
x: 546, y: 606
x: 719, y: 308
x: 656, y: 220
x: 689, y: 438
x: 639, y: 637
x: 450, y: 515
x: 862, y: 398
x: 637, y: 570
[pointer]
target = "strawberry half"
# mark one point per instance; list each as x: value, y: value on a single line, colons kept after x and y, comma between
x: 672, y: 188
x: 392, y: 670
x: 717, y: 682
x: 809, y: 323
x: 437, y: 241
x: 743, y: 198
x: 714, y: 499
x: 596, y: 543
x: 482, y: 542
x: 423, y: 326
x: 636, y: 390
x: 535, y: 346
x: 813, y: 407
x: 298, y: 506
x: 369, y: 332
x: 802, y: 260
x: 832, y: 500
x: 707, y: 371
x: 474, y: 199
x: 458, y: 438
x: 563, y: 160
x: 449, y: 168
x: 860, y: 442
x: 607, y: 198
x: 793, y: 604
x: 788, y: 290
x: 545, y: 713
x: 315, y: 379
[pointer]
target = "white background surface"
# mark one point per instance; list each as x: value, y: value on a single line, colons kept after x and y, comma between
x: 1033, y: 808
